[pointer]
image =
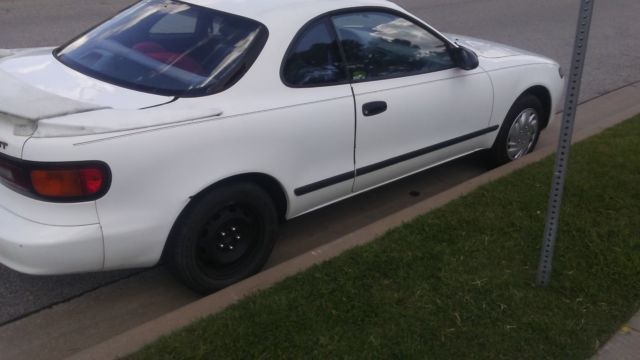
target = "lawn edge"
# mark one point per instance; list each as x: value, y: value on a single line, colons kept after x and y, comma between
x: 600, y: 113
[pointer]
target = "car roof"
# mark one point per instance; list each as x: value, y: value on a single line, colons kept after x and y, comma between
x: 278, y: 11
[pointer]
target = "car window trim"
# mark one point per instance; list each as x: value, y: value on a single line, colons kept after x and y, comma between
x: 448, y: 44
x: 350, y: 10
x: 291, y: 48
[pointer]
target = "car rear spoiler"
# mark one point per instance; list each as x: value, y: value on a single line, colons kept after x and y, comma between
x: 28, y: 104
x: 8, y: 52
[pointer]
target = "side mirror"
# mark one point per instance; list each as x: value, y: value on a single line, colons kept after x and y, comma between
x: 464, y: 58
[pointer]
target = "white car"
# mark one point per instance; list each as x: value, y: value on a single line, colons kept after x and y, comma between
x: 186, y: 131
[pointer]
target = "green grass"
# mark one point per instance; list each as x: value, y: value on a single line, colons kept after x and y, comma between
x: 459, y: 282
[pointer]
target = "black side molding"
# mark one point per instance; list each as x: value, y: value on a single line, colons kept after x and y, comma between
x: 390, y: 162
x: 429, y: 149
x: 325, y: 183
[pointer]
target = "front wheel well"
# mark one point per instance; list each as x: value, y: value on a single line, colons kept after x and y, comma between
x: 544, y: 96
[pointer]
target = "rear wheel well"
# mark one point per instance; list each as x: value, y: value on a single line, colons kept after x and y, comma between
x: 543, y: 95
x: 266, y: 182
x: 269, y: 184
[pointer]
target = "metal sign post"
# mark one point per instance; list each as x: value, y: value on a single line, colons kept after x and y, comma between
x: 566, y: 133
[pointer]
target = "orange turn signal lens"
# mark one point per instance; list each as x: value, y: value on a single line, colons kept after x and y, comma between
x: 68, y: 183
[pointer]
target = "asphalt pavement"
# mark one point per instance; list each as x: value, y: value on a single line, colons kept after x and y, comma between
x: 544, y: 26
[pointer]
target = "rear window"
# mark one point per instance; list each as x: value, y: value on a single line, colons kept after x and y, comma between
x: 169, y: 48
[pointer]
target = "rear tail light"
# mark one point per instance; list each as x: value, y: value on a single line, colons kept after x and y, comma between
x: 57, y: 182
x: 77, y: 182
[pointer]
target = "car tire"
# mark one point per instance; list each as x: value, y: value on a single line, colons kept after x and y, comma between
x: 223, y: 237
x: 519, y: 132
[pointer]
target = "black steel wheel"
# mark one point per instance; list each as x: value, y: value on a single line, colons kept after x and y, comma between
x: 223, y: 237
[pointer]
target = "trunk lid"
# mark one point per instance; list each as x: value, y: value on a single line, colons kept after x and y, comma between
x: 34, y: 86
x: 40, y: 69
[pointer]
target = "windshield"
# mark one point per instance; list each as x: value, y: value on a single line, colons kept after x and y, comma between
x: 168, y: 47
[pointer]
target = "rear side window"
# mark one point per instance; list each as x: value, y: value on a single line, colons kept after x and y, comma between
x: 379, y: 45
x: 314, y: 58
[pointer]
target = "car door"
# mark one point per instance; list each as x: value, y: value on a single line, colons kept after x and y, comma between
x: 414, y: 108
x: 315, y: 73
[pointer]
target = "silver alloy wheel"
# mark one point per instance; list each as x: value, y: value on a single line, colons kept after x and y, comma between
x: 523, y: 134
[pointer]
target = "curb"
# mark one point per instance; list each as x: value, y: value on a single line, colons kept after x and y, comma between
x: 594, y: 116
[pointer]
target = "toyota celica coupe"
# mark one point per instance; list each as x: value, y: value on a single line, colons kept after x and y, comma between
x: 186, y: 131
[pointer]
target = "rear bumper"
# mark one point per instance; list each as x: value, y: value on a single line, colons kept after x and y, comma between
x: 38, y: 249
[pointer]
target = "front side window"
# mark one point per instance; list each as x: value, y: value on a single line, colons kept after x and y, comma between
x: 379, y: 45
x: 314, y: 58
x: 168, y: 47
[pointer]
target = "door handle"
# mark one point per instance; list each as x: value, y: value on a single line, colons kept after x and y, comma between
x: 374, y: 108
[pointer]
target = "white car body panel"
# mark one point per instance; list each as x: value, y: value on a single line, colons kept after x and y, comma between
x: 279, y: 144
x: 162, y: 156
x: 46, y: 249
x: 419, y: 116
x: 510, y: 82
x: 48, y: 213
x: 12, y: 142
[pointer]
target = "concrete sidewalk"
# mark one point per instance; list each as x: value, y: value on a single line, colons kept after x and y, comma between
x: 593, y: 117
x: 625, y: 344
